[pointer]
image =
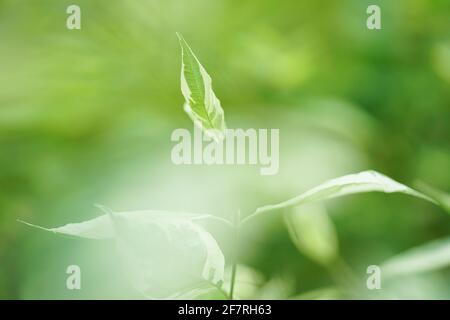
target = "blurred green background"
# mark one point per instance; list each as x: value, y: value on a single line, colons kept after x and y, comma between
x: 86, y: 117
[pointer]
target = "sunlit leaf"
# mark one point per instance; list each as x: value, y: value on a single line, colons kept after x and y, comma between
x: 427, y: 257
x: 366, y: 181
x: 167, y: 255
x: 313, y: 233
x: 201, y: 104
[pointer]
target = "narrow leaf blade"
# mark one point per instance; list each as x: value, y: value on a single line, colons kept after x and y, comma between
x: 366, y: 181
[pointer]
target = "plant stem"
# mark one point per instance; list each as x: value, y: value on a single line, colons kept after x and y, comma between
x: 223, y: 292
x: 237, y: 222
x: 233, y: 279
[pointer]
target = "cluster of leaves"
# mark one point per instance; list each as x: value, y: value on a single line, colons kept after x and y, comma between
x: 172, y: 255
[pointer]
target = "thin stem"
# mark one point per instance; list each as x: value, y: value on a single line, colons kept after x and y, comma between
x: 237, y: 219
x: 233, y: 279
x: 223, y: 292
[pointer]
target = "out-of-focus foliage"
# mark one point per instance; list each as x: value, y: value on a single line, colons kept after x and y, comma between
x: 86, y: 117
x: 313, y: 233
x: 427, y: 257
x: 166, y: 254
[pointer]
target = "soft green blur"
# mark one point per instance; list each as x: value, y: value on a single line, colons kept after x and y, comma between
x: 86, y: 117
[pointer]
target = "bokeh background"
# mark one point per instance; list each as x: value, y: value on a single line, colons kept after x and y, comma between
x: 86, y: 117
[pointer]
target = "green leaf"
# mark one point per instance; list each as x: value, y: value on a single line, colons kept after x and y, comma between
x: 201, y: 104
x: 313, y: 233
x: 366, y: 181
x: 167, y: 255
x: 427, y: 257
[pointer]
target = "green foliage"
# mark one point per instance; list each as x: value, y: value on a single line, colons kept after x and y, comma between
x: 201, y: 104
x: 166, y: 254
x: 313, y: 233
x: 86, y: 117
x: 169, y: 255
x: 366, y: 181
x: 424, y: 258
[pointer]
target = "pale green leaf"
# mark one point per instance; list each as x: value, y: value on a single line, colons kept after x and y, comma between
x: 366, y: 181
x: 201, y: 104
x: 168, y: 258
x: 313, y: 233
x: 428, y: 257
x: 167, y: 255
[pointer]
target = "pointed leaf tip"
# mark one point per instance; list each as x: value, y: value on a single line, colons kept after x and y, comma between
x: 201, y: 103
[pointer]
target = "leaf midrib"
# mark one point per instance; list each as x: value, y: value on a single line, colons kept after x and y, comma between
x: 198, y: 83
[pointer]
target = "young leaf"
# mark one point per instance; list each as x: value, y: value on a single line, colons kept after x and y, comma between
x: 366, y: 181
x: 167, y: 254
x: 201, y: 104
x: 427, y: 257
x: 313, y: 233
